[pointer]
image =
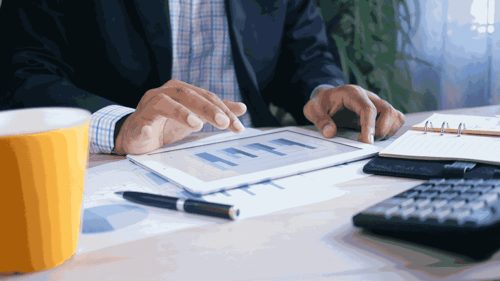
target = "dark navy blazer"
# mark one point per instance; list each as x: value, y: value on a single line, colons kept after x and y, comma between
x: 95, y: 53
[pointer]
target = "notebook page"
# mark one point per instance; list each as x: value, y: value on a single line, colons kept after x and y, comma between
x: 479, y: 125
x: 434, y: 146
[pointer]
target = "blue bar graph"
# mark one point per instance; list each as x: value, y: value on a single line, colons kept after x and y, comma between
x: 259, y: 146
x: 285, y: 142
x: 214, y: 159
x: 233, y: 152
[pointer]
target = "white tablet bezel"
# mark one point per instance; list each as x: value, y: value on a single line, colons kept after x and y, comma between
x: 199, y: 187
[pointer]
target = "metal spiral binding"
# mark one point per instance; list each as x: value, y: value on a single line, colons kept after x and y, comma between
x: 428, y: 124
x: 460, y: 129
x: 442, y: 127
x: 425, y: 127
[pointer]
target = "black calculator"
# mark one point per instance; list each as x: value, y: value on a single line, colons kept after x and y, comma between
x: 457, y: 215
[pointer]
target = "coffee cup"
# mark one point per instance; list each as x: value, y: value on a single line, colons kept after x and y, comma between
x: 43, y: 157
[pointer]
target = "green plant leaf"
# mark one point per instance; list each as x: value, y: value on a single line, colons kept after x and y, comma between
x: 366, y: 37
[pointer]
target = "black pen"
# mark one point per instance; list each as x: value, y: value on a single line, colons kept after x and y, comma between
x: 181, y: 204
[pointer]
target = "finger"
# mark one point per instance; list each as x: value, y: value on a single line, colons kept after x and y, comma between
x: 386, y: 119
x: 237, y: 108
x: 164, y: 106
x: 234, y: 124
x: 390, y: 119
x: 400, y: 120
x: 318, y: 115
x: 201, y: 106
x: 356, y: 99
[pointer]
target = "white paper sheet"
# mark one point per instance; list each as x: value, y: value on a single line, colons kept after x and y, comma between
x: 116, y: 224
x: 109, y: 219
x: 434, y: 146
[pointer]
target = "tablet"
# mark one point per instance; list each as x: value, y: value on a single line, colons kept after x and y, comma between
x: 240, y: 160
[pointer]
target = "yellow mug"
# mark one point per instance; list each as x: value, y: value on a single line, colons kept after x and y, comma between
x: 43, y: 156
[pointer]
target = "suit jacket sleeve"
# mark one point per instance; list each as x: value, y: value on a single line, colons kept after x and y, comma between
x: 38, y: 72
x: 305, y: 61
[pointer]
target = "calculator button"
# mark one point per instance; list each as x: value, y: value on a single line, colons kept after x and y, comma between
x: 475, y: 205
x: 489, y: 198
x: 482, y: 188
x: 407, y: 194
x: 461, y: 187
x: 419, y: 203
x: 396, y: 202
x: 380, y: 211
x: 435, y: 181
x: 439, y: 214
x: 403, y: 213
x: 478, y: 216
x: 495, y: 190
x: 495, y: 182
x: 423, y: 187
x: 459, y: 215
x: 473, y: 181
x: 448, y: 195
x: 441, y: 187
x: 495, y: 206
x: 428, y: 194
x: 468, y: 196
x: 455, y: 204
x: 454, y: 181
x: 421, y: 214
x: 439, y: 203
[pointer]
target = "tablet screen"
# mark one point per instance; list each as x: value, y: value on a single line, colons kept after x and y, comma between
x: 227, y: 159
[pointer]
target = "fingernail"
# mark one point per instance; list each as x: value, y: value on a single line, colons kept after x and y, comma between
x: 328, y: 130
x: 194, y: 121
x: 221, y: 119
x: 372, y: 139
x: 238, y: 126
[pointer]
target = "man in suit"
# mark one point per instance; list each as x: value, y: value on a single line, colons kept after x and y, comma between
x: 152, y: 72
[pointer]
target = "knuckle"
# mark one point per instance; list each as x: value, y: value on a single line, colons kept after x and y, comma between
x: 178, y: 111
x: 159, y: 97
x: 151, y: 92
x: 211, y: 96
x: 371, y: 109
x: 163, y: 96
x: 180, y: 90
x: 401, y: 116
x: 206, y: 108
x: 172, y: 82
x: 355, y: 88
x: 166, y: 88
x: 307, y: 110
x: 385, y: 105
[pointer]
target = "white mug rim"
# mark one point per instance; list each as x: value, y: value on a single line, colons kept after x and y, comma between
x: 29, y: 121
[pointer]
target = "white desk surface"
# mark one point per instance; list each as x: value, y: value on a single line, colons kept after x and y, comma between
x: 314, y: 242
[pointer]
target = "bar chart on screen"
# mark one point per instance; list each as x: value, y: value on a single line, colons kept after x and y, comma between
x: 249, y: 155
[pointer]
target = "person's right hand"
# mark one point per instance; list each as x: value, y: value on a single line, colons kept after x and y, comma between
x: 171, y: 112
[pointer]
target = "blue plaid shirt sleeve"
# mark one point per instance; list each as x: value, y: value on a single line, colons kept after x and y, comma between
x: 102, y: 127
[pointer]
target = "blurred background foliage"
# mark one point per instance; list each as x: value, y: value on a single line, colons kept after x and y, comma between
x: 371, y: 40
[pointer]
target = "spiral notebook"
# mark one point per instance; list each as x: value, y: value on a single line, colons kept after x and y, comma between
x: 450, y: 137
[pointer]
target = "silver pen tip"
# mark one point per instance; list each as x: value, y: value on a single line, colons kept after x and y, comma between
x: 120, y: 193
x: 234, y: 213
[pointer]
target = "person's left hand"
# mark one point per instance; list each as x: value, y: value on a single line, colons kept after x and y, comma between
x: 353, y: 107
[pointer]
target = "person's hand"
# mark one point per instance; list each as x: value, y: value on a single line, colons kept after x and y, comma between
x: 171, y: 112
x: 351, y: 106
